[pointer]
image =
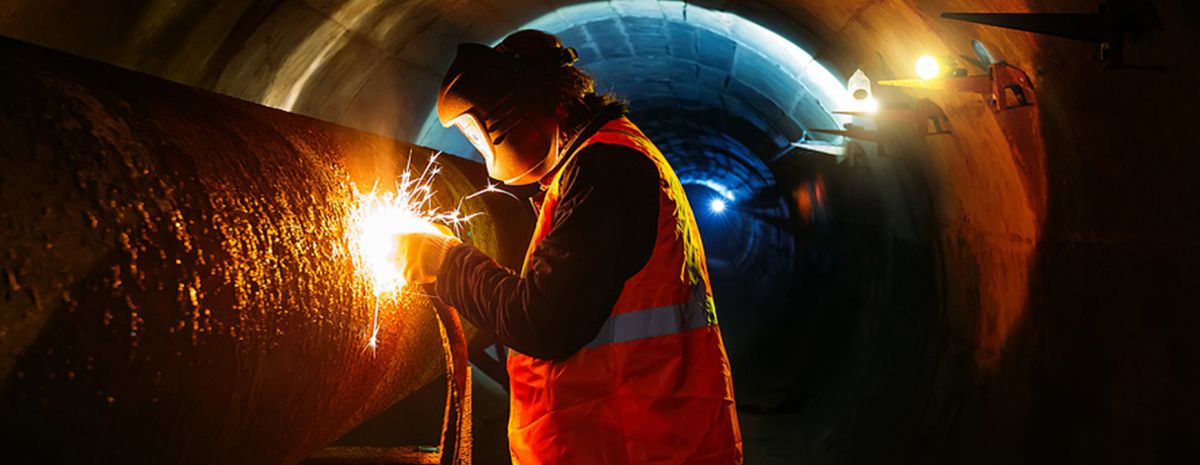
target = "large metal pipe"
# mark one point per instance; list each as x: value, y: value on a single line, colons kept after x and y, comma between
x: 175, y: 278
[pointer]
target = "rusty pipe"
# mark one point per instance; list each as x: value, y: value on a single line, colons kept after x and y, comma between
x: 175, y: 278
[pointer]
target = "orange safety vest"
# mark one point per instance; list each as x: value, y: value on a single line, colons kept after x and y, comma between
x: 654, y: 386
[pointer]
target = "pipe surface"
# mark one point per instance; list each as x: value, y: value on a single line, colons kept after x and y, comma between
x: 176, y: 280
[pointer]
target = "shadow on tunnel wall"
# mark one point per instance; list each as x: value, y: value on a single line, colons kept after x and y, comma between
x: 863, y: 325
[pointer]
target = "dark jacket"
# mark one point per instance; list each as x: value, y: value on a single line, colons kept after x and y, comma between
x: 603, y: 232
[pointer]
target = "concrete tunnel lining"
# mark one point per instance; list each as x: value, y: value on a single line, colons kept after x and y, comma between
x: 677, y: 55
x: 1005, y: 227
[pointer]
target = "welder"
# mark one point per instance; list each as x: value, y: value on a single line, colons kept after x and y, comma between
x: 615, y: 354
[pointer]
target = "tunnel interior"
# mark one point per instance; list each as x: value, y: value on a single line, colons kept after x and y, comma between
x: 1013, y: 290
x: 722, y: 97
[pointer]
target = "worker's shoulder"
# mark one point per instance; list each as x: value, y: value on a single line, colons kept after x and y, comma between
x: 598, y: 150
x: 602, y: 162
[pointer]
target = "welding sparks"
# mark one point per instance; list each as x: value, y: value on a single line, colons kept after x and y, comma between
x: 379, y: 218
x: 491, y: 188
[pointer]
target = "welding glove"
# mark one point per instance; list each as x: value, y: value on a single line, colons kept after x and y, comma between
x: 420, y: 255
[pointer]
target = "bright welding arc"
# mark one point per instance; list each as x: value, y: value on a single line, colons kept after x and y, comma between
x: 379, y: 218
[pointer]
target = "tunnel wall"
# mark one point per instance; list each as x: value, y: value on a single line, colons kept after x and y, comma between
x: 1059, y: 238
x: 178, y: 280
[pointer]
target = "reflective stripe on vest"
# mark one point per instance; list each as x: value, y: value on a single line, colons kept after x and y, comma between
x: 655, y: 322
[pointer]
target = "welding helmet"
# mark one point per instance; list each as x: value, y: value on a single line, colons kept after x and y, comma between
x: 501, y: 100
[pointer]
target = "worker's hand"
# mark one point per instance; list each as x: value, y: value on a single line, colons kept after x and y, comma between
x: 420, y: 255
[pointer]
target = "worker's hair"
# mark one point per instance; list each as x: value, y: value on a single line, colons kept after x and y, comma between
x: 569, y: 89
x: 577, y: 99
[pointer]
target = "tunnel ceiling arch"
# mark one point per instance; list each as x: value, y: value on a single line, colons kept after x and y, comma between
x: 673, y: 55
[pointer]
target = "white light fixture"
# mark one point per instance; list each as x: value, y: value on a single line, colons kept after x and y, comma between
x: 859, y: 85
x: 863, y: 98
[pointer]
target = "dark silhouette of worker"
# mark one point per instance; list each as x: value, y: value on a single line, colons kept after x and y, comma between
x: 615, y: 353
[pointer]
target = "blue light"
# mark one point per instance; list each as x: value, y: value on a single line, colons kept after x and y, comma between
x: 717, y: 206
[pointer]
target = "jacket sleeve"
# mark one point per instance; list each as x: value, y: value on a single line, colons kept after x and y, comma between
x: 603, y: 232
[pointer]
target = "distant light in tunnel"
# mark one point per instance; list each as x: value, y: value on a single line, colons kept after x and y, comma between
x: 928, y: 67
x: 724, y: 192
x: 717, y: 205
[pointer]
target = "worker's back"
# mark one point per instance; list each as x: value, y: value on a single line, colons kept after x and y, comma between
x: 654, y: 385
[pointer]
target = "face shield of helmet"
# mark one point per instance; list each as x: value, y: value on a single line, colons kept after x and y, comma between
x: 470, y: 126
